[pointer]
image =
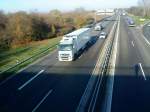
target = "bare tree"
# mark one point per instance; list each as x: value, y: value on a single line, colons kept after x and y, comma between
x: 20, y: 28
x: 145, y: 4
x: 5, y: 40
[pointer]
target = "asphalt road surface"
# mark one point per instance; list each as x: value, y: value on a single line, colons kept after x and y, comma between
x: 131, y: 90
x: 50, y: 85
x: 146, y: 31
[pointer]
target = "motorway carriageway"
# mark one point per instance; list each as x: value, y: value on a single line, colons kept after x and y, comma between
x: 50, y: 85
x: 131, y: 89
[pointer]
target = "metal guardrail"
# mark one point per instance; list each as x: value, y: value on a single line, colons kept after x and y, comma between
x: 104, y: 66
x: 24, y: 61
x: 88, y: 100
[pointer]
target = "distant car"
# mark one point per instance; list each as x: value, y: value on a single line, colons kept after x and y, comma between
x: 131, y: 23
x: 148, y: 25
x: 103, y: 35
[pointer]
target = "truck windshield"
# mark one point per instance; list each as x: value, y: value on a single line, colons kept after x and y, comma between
x: 65, y: 47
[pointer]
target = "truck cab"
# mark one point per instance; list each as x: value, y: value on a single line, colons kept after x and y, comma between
x: 66, y: 49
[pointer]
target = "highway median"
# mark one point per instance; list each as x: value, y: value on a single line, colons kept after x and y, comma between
x: 95, y: 85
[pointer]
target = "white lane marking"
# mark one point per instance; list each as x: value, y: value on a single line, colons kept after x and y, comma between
x: 37, y: 106
x: 146, y: 40
x: 110, y: 93
x: 132, y: 43
x: 21, y: 87
x: 142, y: 71
x: 37, y: 61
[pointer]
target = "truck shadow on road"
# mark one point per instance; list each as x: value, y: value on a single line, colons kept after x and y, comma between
x: 92, y: 41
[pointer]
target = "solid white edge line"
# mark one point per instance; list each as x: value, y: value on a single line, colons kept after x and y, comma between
x: 142, y: 71
x: 37, y: 106
x: 26, y: 83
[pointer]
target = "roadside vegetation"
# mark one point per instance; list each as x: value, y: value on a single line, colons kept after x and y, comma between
x: 21, y: 28
x: 14, y: 56
x: 139, y: 20
x: 24, y: 35
x: 140, y: 13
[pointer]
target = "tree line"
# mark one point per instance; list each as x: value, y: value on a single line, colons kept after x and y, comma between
x: 20, y: 28
x: 143, y: 9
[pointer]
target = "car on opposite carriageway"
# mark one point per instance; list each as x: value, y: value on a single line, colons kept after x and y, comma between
x: 103, y: 35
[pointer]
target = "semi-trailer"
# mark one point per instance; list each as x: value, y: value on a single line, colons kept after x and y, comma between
x: 71, y: 44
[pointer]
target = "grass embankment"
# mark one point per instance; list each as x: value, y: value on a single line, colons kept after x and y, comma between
x: 140, y: 20
x: 11, y: 57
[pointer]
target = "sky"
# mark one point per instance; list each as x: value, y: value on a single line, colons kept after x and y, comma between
x: 63, y: 5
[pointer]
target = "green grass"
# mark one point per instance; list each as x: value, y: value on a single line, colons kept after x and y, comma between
x: 138, y: 21
x: 10, y: 57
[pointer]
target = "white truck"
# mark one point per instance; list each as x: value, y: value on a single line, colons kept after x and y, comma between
x: 72, y: 43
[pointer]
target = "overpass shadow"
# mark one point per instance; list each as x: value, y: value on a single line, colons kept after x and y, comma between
x: 68, y: 83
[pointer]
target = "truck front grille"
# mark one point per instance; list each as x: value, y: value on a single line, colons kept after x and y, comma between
x: 65, y: 57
